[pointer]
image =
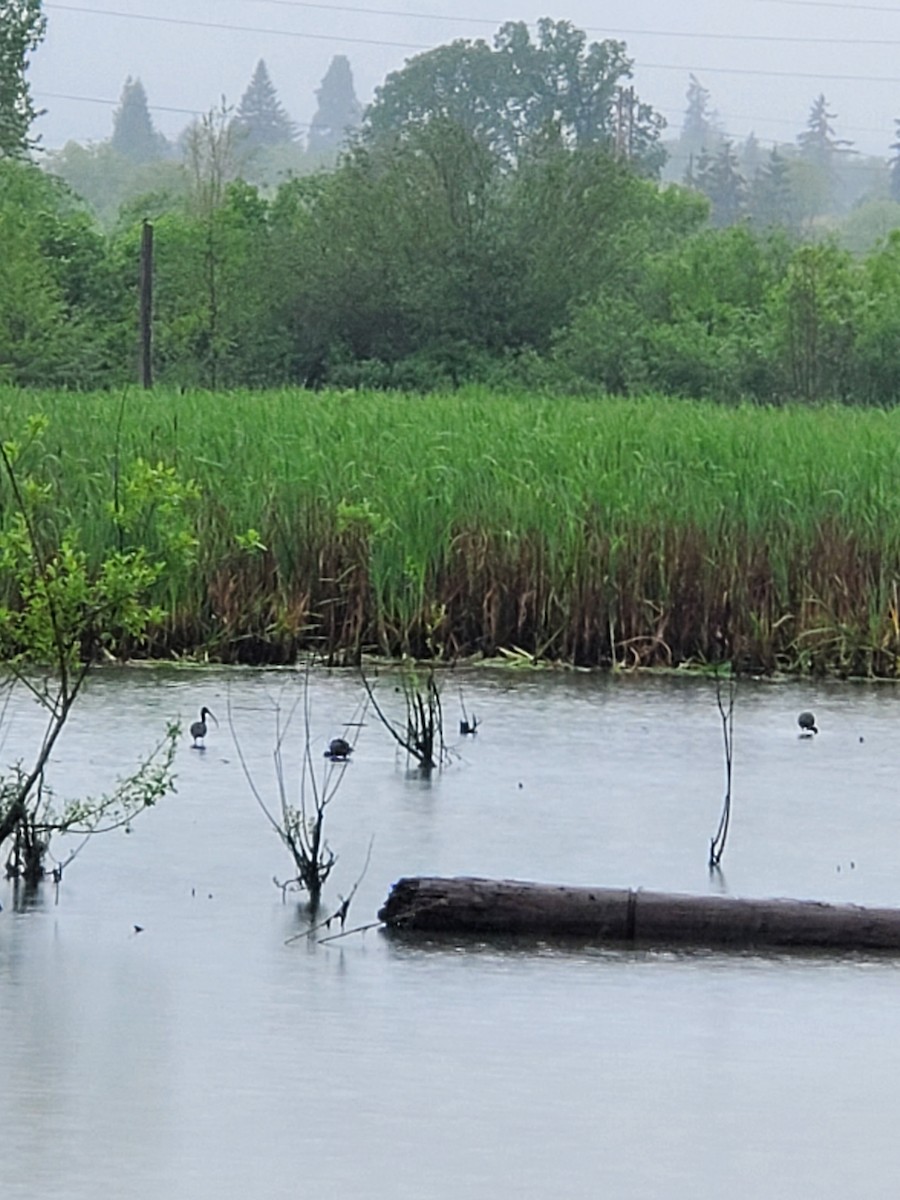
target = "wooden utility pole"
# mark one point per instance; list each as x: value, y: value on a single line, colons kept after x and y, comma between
x: 624, y: 120
x: 146, y: 306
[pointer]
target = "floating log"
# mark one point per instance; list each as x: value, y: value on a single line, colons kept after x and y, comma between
x: 632, y: 915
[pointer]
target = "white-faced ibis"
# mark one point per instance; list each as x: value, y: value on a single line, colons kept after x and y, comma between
x: 807, y: 723
x: 198, y: 729
x: 339, y: 750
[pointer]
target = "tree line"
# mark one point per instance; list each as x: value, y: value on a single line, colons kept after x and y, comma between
x: 498, y: 216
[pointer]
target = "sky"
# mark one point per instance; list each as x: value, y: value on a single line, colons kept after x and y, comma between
x: 763, y: 62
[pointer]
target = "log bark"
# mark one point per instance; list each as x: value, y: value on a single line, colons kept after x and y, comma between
x: 630, y: 916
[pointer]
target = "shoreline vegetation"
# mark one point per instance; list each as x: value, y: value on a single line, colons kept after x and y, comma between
x: 604, y: 533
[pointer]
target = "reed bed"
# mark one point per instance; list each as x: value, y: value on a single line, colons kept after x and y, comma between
x: 613, y: 532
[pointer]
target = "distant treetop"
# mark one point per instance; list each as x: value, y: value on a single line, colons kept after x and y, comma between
x: 512, y: 95
x: 339, y: 112
x: 134, y: 136
x: 261, y: 119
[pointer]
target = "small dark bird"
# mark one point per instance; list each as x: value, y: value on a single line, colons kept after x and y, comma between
x: 339, y: 750
x: 198, y: 729
x: 466, y: 726
x: 807, y: 723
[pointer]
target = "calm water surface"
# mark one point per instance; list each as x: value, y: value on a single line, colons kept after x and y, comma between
x: 209, y: 1057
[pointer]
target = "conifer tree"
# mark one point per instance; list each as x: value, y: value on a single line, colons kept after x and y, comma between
x: 261, y: 119
x: 699, y: 130
x: 134, y: 136
x: 771, y: 200
x: 817, y: 142
x: 339, y: 111
x: 894, y: 186
x: 720, y: 178
x: 22, y: 27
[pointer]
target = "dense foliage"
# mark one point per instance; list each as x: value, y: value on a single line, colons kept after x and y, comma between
x: 498, y: 218
x: 421, y: 264
x: 22, y: 26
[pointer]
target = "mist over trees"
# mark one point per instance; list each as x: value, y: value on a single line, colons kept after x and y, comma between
x: 502, y: 214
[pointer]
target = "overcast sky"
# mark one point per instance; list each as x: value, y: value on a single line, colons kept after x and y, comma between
x: 763, y: 61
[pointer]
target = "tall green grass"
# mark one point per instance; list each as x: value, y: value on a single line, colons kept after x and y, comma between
x: 596, y: 531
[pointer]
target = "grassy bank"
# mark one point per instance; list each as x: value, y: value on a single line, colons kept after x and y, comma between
x: 651, y: 531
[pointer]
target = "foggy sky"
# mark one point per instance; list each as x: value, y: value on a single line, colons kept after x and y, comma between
x: 763, y: 61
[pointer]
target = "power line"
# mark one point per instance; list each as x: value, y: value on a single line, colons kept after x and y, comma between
x: 884, y: 8
x: 42, y: 95
x: 761, y: 72
x: 320, y: 37
x: 764, y: 38
x: 106, y: 102
x: 382, y: 12
x: 496, y: 22
x: 893, y: 79
x: 667, y: 112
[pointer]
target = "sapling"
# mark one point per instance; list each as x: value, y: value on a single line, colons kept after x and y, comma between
x: 300, y: 825
x: 60, y: 615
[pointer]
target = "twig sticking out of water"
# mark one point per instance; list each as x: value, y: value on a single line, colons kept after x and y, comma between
x: 725, y: 705
x: 346, y: 932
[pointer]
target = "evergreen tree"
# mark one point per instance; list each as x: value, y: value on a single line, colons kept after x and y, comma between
x: 894, y: 185
x: 339, y: 112
x: 719, y: 177
x: 817, y: 142
x: 771, y: 199
x: 699, y: 130
x: 261, y: 119
x: 22, y: 27
x: 134, y: 136
x: 750, y: 156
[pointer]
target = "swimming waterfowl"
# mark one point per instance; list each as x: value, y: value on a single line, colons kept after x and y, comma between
x: 807, y: 723
x: 339, y: 750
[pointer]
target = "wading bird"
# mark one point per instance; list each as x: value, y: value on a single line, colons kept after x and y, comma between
x: 339, y: 750
x: 807, y: 723
x: 198, y: 729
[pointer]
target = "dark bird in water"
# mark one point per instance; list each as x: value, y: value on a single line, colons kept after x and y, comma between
x: 466, y: 726
x: 339, y: 750
x: 198, y: 729
x: 807, y: 723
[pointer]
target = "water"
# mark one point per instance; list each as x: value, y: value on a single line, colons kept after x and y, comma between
x: 208, y: 1056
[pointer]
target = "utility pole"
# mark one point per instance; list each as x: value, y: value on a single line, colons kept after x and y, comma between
x: 146, y: 306
x: 624, y: 122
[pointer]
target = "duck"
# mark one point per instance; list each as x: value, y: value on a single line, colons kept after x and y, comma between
x: 807, y: 723
x: 198, y: 729
x: 339, y: 750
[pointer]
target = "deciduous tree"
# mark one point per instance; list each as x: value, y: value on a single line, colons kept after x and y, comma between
x: 22, y: 27
x: 60, y: 612
x: 512, y: 94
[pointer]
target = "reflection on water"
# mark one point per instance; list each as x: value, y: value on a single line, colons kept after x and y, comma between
x: 209, y: 1056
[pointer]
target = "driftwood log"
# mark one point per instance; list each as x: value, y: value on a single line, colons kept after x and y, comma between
x: 627, y: 915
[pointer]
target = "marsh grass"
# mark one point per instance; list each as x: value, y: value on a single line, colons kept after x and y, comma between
x: 601, y: 532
